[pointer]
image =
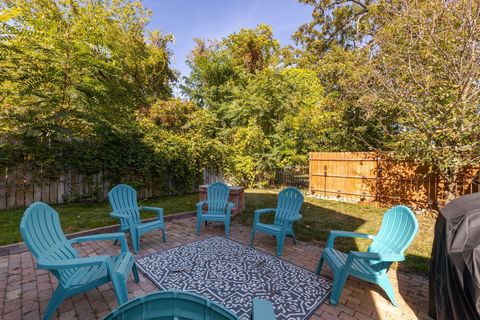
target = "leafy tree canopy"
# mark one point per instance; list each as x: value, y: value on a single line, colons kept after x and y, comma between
x: 426, y: 68
x: 269, y: 110
x: 84, y: 87
x: 64, y: 72
x: 408, y: 73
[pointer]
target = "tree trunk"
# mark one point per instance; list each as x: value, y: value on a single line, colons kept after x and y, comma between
x: 451, y: 178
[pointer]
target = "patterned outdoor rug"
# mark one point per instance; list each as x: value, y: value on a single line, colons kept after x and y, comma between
x: 233, y: 274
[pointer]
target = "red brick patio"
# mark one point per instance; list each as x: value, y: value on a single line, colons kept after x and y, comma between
x: 25, y: 291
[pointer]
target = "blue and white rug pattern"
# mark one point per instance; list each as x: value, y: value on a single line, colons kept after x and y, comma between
x: 232, y: 274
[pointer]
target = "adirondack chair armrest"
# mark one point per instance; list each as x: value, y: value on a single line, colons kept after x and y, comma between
x: 127, y: 219
x: 345, y: 234
x: 230, y: 206
x: 199, y: 207
x: 387, y: 257
x: 294, y: 218
x: 117, y: 215
x: 72, y: 263
x: 257, y: 213
x: 120, y: 236
x: 200, y: 204
x: 266, y: 210
x: 154, y: 209
x: 159, y: 211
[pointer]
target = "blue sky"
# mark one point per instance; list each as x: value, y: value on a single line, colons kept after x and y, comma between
x: 213, y: 19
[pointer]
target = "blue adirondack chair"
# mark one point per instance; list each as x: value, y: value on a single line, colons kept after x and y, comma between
x: 183, y: 305
x: 43, y: 235
x: 123, y: 200
x: 398, y: 229
x: 289, y: 203
x: 219, y: 208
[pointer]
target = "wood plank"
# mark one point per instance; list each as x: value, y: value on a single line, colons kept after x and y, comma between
x: 376, y: 176
x: 3, y: 189
x: 11, y: 187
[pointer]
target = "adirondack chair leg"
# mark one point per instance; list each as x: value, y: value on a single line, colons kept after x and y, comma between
x: 320, y: 264
x: 55, y: 301
x: 135, y: 240
x: 116, y: 240
x: 387, y: 287
x: 136, y: 244
x: 338, y: 284
x: 120, y: 288
x: 227, y: 229
x: 135, y: 273
x: 294, y: 239
x: 206, y: 223
x: 199, y: 226
x: 252, y: 237
x: 164, y: 234
x: 280, y: 243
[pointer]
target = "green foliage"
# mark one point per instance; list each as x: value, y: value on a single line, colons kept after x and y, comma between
x: 251, y: 158
x: 264, y: 98
x: 64, y: 72
x: 346, y: 23
x: 253, y: 49
x: 94, y: 95
x: 212, y: 70
x: 180, y: 136
x: 76, y: 93
x: 406, y: 75
x: 425, y: 70
x: 270, y: 111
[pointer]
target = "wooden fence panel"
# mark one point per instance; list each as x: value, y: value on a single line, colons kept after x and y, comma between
x: 21, y: 185
x: 37, y: 189
x: 10, y: 187
x: 45, y: 186
x: 374, y: 177
x: 3, y: 188
x: 341, y: 175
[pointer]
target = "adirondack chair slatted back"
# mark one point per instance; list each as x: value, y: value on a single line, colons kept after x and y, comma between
x: 217, y: 197
x: 289, y: 203
x: 398, y: 229
x: 123, y: 200
x: 41, y: 230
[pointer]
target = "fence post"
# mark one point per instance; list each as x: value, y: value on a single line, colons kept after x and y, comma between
x: 325, y: 181
x: 310, y: 160
x: 378, y: 180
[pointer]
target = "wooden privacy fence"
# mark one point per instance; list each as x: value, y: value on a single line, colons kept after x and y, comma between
x: 19, y: 187
x: 376, y: 178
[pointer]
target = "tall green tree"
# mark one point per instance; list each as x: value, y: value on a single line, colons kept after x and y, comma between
x: 349, y: 24
x: 405, y: 74
x: 267, y: 109
x: 63, y: 73
x: 425, y: 69
x: 253, y: 49
x: 85, y: 87
x: 337, y: 44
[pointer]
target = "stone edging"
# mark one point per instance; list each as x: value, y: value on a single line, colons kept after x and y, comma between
x: 21, y: 247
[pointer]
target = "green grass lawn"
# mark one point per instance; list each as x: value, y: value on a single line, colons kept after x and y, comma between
x: 81, y: 216
x: 319, y: 216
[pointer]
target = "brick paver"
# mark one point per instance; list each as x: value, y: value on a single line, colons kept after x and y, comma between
x: 25, y: 291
